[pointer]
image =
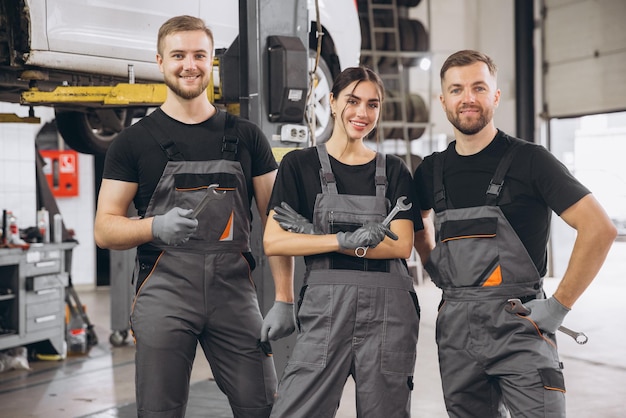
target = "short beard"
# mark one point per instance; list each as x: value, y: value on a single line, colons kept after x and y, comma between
x: 468, y: 128
x: 185, y: 94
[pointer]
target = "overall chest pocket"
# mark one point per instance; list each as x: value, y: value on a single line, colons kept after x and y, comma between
x: 215, y: 222
x: 339, y: 220
x: 467, y: 253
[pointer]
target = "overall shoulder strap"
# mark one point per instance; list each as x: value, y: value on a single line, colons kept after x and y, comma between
x: 381, y: 174
x: 158, y: 133
x: 439, y: 190
x: 497, y: 181
x: 230, y: 142
x: 327, y: 178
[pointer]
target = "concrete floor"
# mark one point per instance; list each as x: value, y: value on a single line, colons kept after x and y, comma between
x: 101, y: 383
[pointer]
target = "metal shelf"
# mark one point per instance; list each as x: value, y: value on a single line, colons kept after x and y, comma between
x: 393, y: 65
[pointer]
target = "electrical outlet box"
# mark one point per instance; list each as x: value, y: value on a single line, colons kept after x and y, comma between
x: 294, y: 133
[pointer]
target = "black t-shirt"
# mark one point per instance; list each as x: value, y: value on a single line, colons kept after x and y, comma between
x: 535, y: 185
x: 298, y: 182
x: 136, y: 157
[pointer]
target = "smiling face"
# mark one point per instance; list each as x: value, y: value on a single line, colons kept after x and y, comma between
x: 357, y: 108
x: 469, y: 97
x: 186, y: 62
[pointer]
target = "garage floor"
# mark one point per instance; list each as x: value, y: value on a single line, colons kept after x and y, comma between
x: 101, y: 383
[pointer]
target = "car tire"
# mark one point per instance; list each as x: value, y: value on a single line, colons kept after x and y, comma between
x: 322, y: 122
x: 91, y: 131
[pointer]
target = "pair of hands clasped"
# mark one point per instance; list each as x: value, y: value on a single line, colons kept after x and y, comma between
x: 368, y: 236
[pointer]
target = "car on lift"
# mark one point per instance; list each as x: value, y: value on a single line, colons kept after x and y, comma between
x: 50, y: 43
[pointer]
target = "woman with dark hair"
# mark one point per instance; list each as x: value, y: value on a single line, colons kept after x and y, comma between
x: 358, y: 313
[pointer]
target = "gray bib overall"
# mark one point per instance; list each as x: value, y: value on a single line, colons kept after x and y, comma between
x: 489, y: 357
x: 200, y: 291
x: 356, y: 317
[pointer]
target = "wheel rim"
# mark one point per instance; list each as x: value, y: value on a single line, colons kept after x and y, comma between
x: 321, y: 96
x: 105, y: 124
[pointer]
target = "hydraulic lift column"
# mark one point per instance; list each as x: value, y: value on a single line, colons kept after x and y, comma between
x: 259, y: 20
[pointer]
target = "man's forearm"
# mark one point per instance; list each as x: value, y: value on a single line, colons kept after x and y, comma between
x: 282, y: 268
x: 588, y: 255
x: 595, y: 235
x: 121, y: 233
x: 424, y: 241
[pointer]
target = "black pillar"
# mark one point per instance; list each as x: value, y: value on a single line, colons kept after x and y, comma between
x: 525, y: 69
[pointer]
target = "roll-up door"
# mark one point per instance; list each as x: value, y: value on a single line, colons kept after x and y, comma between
x: 584, y: 57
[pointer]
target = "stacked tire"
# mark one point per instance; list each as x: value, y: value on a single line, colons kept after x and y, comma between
x: 412, y: 37
x: 416, y: 111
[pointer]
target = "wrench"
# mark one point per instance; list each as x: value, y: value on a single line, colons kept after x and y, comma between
x: 579, y: 337
x: 516, y: 306
x: 211, y: 194
x: 399, y: 207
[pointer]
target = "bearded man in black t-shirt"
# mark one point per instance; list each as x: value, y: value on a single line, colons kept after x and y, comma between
x: 492, y: 197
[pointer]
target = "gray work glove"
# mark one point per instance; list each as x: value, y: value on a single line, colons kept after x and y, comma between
x: 279, y: 322
x: 548, y: 314
x: 369, y: 235
x: 174, y: 227
x: 292, y: 221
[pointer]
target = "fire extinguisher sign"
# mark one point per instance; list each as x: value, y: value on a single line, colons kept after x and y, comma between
x: 61, y: 171
x: 67, y: 163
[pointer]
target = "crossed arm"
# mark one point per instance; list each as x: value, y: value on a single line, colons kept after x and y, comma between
x: 277, y: 241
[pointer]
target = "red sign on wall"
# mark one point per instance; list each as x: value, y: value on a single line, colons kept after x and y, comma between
x: 61, y: 171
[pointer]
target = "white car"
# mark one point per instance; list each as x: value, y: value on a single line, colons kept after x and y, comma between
x: 48, y: 43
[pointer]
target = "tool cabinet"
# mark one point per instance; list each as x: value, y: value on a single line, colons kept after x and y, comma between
x: 32, y: 296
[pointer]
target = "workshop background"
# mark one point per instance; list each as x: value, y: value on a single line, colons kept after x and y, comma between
x: 574, y: 51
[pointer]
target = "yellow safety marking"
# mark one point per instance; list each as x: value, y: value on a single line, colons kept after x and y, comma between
x: 122, y: 94
x: 13, y: 118
x: 279, y: 152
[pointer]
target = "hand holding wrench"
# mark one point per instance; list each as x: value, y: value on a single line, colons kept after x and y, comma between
x: 399, y: 207
x: 211, y: 194
x: 516, y: 306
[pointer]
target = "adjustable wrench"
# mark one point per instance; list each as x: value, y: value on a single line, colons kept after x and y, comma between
x: 399, y: 207
x: 211, y: 194
x: 516, y: 306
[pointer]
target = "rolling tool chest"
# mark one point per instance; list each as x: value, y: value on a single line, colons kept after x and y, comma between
x: 32, y: 296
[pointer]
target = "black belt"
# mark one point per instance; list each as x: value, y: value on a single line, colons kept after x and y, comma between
x: 528, y: 298
x: 338, y: 261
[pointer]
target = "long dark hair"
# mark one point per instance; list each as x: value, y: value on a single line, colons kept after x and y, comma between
x: 359, y: 74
